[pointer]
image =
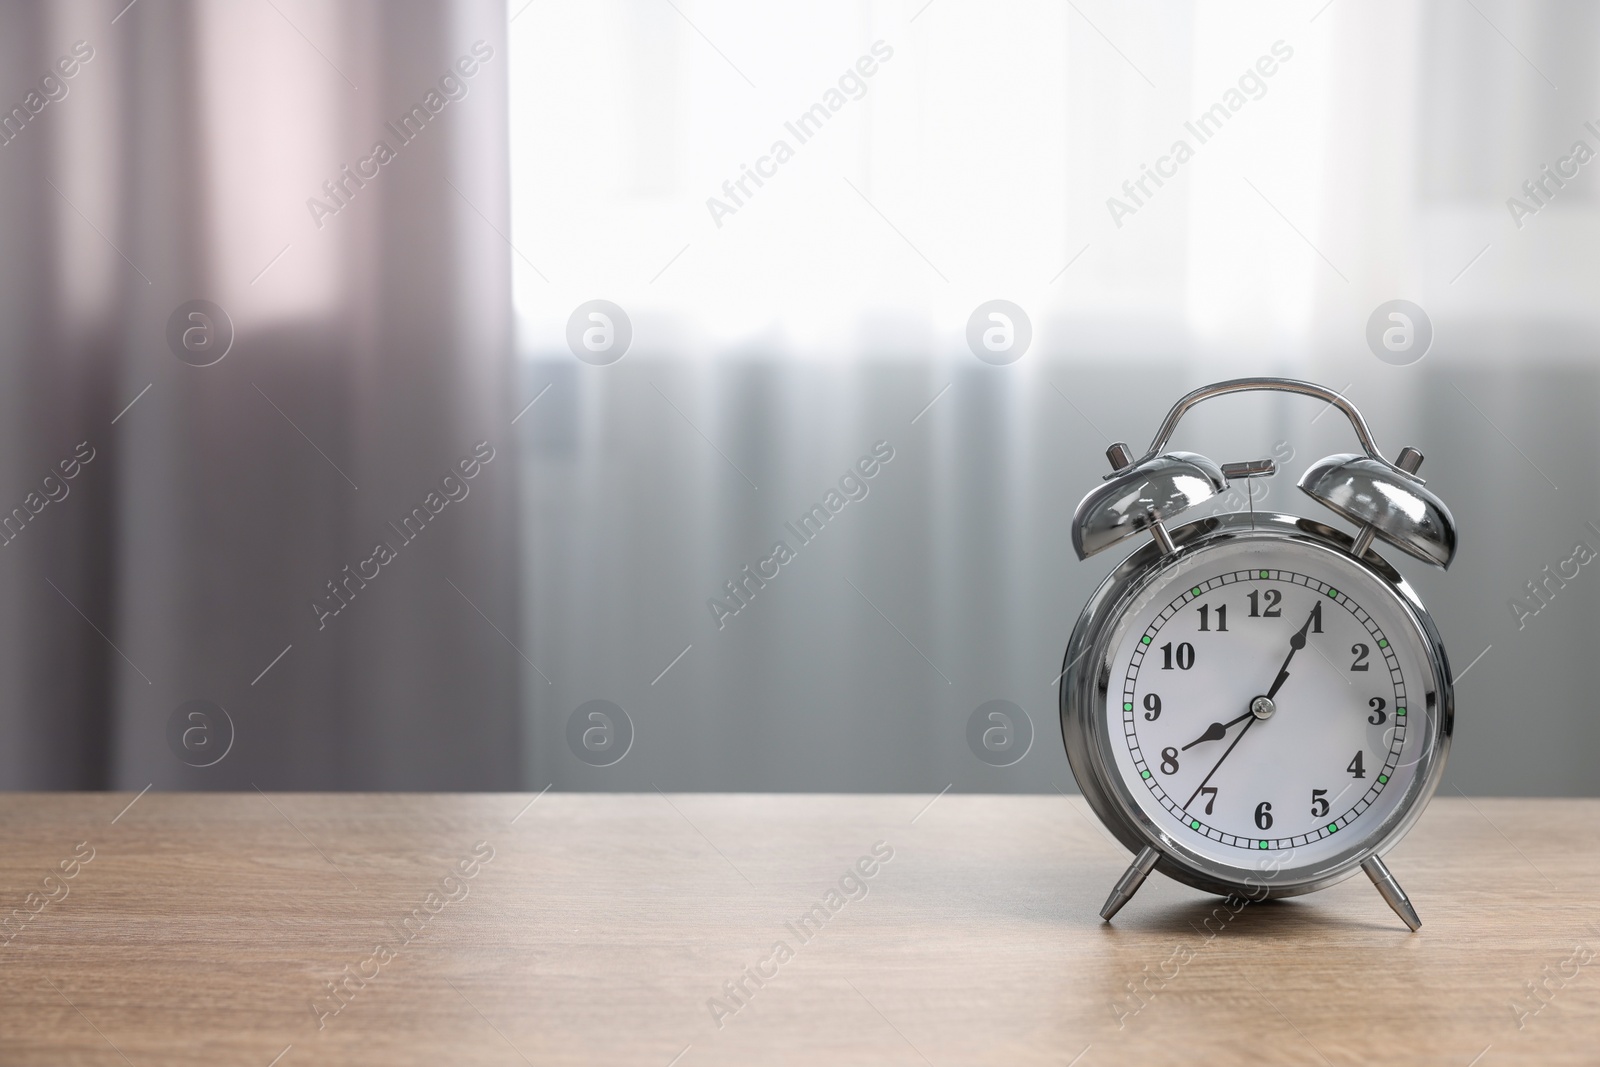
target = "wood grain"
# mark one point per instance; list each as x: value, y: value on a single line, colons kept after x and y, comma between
x: 206, y: 927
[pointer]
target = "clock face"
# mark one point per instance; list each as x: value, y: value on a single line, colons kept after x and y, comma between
x: 1270, y: 705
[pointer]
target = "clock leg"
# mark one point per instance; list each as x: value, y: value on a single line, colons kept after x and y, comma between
x: 1391, y: 891
x: 1130, y: 882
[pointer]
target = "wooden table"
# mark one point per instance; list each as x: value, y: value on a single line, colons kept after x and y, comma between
x: 610, y: 929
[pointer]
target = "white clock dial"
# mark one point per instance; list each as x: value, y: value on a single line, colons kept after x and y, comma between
x: 1268, y: 700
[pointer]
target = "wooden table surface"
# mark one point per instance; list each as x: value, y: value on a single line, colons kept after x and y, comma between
x: 615, y: 929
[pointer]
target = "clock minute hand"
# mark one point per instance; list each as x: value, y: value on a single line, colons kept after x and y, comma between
x: 1217, y: 730
x: 1296, y: 643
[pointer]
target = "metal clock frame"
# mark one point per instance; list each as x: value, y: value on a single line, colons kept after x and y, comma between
x: 1385, y: 499
x: 1085, y: 695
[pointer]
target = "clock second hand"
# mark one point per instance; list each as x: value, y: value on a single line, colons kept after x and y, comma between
x: 1296, y: 643
x: 1236, y: 740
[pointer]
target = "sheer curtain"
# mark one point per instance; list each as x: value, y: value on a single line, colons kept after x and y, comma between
x: 217, y: 539
x: 195, y: 556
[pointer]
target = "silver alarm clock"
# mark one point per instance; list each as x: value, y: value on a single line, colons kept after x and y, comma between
x: 1255, y: 704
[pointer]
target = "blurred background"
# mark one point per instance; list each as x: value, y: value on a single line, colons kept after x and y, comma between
x: 394, y: 395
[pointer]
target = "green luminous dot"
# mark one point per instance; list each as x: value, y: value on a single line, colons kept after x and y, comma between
x: 1195, y: 590
x: 1194, y: 824
x: 1263, y: 574
x: 1334, y: 593
x: 1332, y: 828
x: 1383, y: 779
x: 1144, y: 774
x: 1127, y: 707
x: 1400, y: 712
x: 1145, y: 640
x: 1382, y: 643
x: 1263, y: 844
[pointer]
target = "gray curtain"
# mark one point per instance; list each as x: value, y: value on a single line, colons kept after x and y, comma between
x: 368, y: 361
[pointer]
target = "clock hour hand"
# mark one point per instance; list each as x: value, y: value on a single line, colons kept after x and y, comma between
x: 1217, y: 731
x: 1218, y: 764
x: 1296, y: 643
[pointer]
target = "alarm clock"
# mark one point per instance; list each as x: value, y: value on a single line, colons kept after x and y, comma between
x: 1257, y: 705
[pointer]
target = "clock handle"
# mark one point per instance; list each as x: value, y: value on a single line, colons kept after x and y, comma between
x: 1277, y: 385
x: 1383, y: 498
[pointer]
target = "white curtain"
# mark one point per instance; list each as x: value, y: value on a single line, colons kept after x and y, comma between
x: 1363, y: 153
